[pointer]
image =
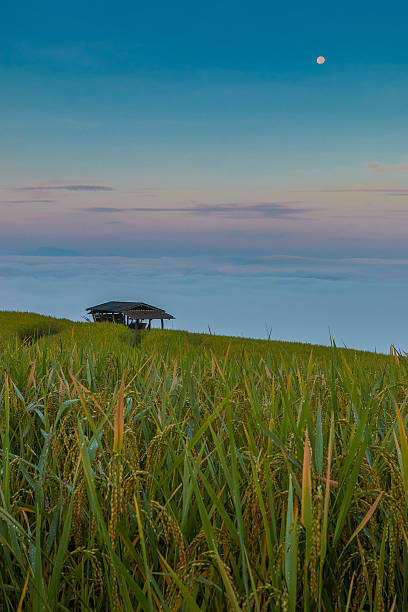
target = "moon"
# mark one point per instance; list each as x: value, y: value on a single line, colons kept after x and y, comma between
x: 320, y: 59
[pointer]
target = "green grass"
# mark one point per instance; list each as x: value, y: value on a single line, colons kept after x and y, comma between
x: 165, y: 470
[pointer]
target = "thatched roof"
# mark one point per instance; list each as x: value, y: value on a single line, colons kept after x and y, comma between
x: 135, y: 310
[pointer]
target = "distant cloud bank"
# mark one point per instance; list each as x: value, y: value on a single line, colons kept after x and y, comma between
x: 66, y: 188
x: 262, y: 209
x: 29, y: 201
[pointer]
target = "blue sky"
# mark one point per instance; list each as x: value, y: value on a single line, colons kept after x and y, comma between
x: 208, y: 132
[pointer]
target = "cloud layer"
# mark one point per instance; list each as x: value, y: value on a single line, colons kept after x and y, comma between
x: 45, y: 201
x: 385, y: 190
x: 262, y: 209
x: 66, y: 188
x: 378, y: 167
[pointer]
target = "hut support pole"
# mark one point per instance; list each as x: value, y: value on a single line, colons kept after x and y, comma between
x: 150, y: 324
x: 162, y: 325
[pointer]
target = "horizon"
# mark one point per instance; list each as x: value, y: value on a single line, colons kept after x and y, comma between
x: 199, y: 157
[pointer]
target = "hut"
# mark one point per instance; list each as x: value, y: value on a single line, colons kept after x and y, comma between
x: 132, y: 314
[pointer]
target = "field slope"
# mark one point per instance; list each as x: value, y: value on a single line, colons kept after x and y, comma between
x: 166, y: 470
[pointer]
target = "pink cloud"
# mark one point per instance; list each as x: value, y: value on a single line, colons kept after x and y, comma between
x: 378, y: 167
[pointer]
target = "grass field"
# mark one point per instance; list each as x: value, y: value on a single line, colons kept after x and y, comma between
x: 165, y: 470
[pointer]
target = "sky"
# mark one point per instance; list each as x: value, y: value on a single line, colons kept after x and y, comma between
x: 195, y: 156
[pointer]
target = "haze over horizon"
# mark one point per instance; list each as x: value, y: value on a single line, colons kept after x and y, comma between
x: 198, y: 155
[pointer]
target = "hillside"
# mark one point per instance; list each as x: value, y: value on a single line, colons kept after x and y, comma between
x: 165, y: 470
x: 31, y: 327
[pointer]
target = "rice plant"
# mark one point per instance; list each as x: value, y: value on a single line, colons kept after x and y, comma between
x: 171, y: 471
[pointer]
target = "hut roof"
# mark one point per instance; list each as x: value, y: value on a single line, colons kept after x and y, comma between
x: 137, y: 310
x: 121, y: 307
x: 149, y: 314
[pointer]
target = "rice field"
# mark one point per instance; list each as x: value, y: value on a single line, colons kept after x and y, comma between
x: 172, y: 471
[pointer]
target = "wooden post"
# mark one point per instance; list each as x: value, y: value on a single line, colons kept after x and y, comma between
x: 150, y: 324
x: 162, y: 323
